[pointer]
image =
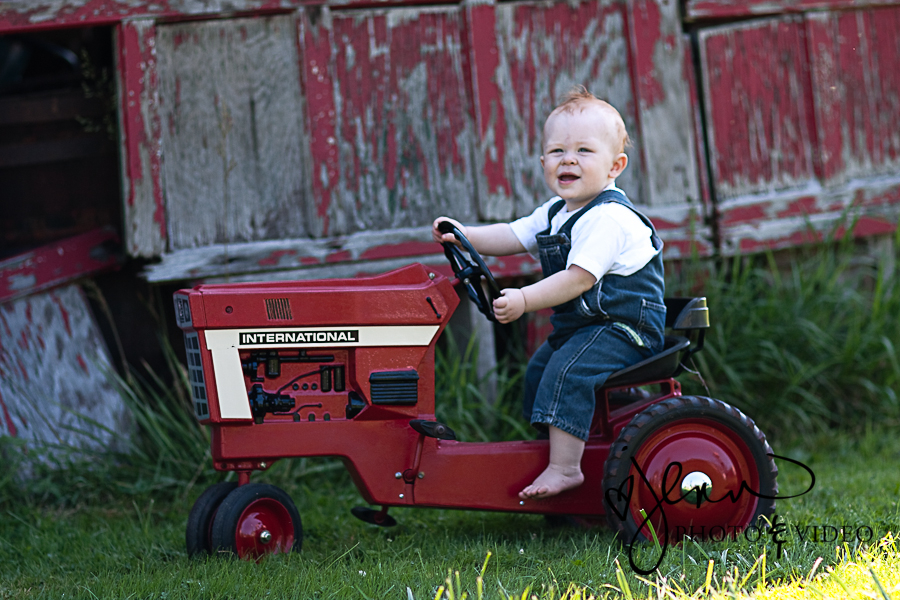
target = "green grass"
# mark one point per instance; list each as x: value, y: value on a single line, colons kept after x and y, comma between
x: 804, y: 344
x: 133, y: 546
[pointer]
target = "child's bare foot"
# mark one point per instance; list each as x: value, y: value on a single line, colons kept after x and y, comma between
x: 553, y: 481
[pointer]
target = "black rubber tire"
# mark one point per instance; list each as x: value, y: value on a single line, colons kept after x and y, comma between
x: 667, y: 422
x: 199, y: 525
x: 256, y: 503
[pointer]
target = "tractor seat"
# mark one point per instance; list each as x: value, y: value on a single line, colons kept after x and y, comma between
x: 682, y: 314
x: 659, y: 366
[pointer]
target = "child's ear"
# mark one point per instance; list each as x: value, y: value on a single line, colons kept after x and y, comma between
x: 542, y: 161
x: 619, y: 164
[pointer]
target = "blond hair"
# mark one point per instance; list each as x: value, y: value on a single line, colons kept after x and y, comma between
x: 577, y: 98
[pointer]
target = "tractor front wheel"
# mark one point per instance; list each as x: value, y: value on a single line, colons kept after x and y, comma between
x: 199, y: 525
x: 257, y: 519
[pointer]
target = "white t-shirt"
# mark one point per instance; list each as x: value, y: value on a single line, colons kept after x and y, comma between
x: 610, y: 238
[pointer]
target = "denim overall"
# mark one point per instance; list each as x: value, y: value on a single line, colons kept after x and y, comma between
x: 615, y: 324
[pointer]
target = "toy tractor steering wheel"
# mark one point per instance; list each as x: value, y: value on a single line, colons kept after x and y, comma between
x: 470, y: 273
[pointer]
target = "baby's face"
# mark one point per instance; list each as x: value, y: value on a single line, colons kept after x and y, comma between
x: 580, y: 149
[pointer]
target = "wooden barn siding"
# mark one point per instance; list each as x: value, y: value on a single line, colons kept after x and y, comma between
x: 724, y: 9
x: 543, y: 50
x: 140, y: 128
x: 54, y: 372
x: 413, y: 113
x: 812, y: 144
x: 394, y: 131
x: 233, y: 133
x: 35, y: 15
x: 663, y: 79
x: 464, y: 88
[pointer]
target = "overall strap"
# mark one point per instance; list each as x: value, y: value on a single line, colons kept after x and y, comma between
x: 557, y: 206
x: 605, y: 196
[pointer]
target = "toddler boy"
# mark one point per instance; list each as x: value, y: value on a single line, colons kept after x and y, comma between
x: 603, y: 276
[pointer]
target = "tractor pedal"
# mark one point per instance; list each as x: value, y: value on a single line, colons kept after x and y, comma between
x: 375, y: 517
x: 433, y: 429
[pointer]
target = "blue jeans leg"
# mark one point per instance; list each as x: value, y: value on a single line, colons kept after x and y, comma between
x: 560, y: 385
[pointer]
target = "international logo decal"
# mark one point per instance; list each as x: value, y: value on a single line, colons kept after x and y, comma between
x: 300, y: 337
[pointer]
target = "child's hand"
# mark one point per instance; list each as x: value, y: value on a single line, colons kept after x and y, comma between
x: 447, y: 237
x: 510, y: 306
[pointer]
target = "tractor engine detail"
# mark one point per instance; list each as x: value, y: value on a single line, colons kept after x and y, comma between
x: 263, y: 402
x: 283, y: 383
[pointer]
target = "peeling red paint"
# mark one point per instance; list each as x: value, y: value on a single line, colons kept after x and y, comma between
x: 273, y: 259
x: 25, y: 16
x: 686, y: 247
x: 798, y: 238
x: 888, y: 197
x: 869, y: 226
x: 723, y: 9
x: 10, y: 426
x: 854, y: 58
x: 744, y: 214
x: 82, y: 363
x: 646, y: 29
x: 138, y: 74
x: 760, y: 126
x: 63, y: 312
x: 315, y: 54
x: 799, y: 207
x: 53, y: 264
x: 482, y: 61
x: 402, y: 249
x: 339, y: 256
x: 697, y: 127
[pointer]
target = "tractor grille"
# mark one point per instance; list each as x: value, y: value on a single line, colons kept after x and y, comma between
x: 195, y: 375
x: 394, y: 387
x: 278, y: 309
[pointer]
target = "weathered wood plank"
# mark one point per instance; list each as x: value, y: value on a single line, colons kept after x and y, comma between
x: 32, y: 15
x: 758, y: 106
x: 54, y: 370
x: 696, y: 110
x: 543, y: 50
x: 723, y: 9
x: 233, y: 135
x: 855, y: 62
x: 400, y: 151
x: 668, y: 153
x: 139, y: 129
x: 797, y: 217
x: 284, y: 254
x: 52, y: 265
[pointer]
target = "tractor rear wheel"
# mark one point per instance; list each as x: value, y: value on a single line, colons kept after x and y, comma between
x: 698, y: 467
x: 199, y: 525
x: 257, y: 519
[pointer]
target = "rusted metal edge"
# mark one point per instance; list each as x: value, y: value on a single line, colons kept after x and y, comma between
x: 54, y: 264
x: 724, y: 9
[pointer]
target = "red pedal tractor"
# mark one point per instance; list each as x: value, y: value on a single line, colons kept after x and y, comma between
x: 345, y: 368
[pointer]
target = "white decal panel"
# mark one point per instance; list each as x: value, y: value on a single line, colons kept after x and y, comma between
x: 225, y: 343
x: 321, y: 337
